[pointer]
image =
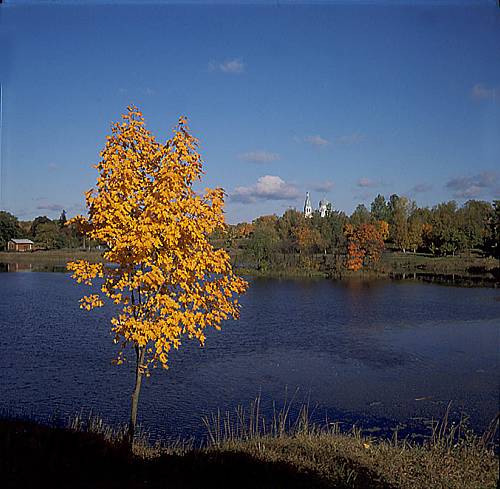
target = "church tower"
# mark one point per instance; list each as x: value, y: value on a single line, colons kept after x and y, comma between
x: 307, y: 206
x: 324, y: 207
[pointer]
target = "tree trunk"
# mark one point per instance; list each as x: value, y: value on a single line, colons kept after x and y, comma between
x: 139, y: 350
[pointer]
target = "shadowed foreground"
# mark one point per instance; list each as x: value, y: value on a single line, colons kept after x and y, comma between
x: 32, y: 455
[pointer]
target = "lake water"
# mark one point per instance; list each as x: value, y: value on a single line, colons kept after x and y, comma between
x: 377, y: 353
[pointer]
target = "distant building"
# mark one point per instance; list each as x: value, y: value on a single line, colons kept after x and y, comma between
x: 20, y: 245
x: 324, y: 207
x: 308, y: 211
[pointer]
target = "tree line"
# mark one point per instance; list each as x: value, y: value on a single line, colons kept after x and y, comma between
x: 46, y: 233
x: 357, y: 241
x: 349, y: 242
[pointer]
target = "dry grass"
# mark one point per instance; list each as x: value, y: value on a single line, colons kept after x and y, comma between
x: 452, y: 455
x: 244, y: 450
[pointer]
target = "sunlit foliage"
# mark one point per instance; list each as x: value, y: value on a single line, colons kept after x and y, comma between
x: 167, y: 279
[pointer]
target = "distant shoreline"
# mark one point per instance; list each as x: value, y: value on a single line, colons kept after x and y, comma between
x: 50, y: 256
x: 466, y: 271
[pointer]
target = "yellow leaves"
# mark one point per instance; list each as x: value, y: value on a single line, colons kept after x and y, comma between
x: 383, y: 229
x: 80, y: 224
x: 84, y: 271
x: 90, y: 301
x: 166, y: 278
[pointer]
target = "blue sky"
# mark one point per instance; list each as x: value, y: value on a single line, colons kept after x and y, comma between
x: 345, y: 101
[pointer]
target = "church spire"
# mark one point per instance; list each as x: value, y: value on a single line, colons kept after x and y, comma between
x: 307, y: 206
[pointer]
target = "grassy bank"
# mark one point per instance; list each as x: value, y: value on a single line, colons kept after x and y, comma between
x: 45, y: 261
x: 467, y: 269
x: 92, y: 456
x: 56, y: 257
x: 467, y: 263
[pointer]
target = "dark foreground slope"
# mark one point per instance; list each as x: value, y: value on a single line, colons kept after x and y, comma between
x: 33, y: 456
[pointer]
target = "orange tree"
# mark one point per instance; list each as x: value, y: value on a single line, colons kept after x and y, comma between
x: 365, y: 244
x: 166, y: 278
x: 355, y: 252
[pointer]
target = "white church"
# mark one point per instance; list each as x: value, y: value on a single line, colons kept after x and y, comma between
x: 323, y: 208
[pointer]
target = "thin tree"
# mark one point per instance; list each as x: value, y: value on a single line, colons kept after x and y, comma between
x: 162, y: 271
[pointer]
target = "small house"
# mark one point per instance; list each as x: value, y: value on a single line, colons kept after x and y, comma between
x: 20, y: 245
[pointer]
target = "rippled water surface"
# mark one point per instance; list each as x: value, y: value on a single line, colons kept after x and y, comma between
x: 377, y: 353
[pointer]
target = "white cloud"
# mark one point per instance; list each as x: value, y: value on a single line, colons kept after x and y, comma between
x: 267, y: 187
x: 325, y: 186
x: 232, y: 66
x: 316, y: 140
x: 466, y: 187
x: 421, y: 187
x: 259, y: 156
x: 50, y: 207
x: 482, y: 92
x: 367, y: 182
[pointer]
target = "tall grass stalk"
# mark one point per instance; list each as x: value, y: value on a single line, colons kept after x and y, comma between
x: 244, y: 424
x: 249, y: 423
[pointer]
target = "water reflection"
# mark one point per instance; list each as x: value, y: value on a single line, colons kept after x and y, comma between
x: 16, y: 267
x: 481, y: 279
x: 378, y: 353
x: 475, y: 276
x: 32, y: 267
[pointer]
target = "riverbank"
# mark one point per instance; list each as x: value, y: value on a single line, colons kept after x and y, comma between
x: 35, y: 455
x: 45, y: 261
x: 467, y: 270
x: 58, y: 257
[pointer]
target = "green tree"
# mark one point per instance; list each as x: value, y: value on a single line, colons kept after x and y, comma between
x: 287, y: 226
x: 332, y: 230
x: 37, y: 222
x: 264, y: 240
x: 50, y: 236
x: 361, y: 215
x: 62, y: 219
x: 400, y: 211
x: 447, y: 236
x: 9, y: 228
x: 414, y: 234
x: 379, y: 209
x: 494, y: 240
x: 474, y: 218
